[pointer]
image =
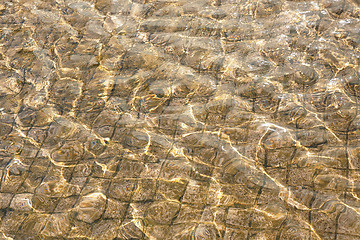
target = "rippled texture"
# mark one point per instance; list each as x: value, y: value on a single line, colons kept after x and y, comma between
x: 178, y: 119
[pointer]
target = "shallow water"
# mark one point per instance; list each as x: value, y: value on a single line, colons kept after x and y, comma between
x: 178, y: 119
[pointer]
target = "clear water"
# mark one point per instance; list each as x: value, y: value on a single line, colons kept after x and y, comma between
x: 223, y: 119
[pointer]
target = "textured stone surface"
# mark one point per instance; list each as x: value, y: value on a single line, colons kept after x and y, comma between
x: 160, y: 119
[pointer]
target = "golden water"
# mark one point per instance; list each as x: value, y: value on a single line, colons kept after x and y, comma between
x: 179, y: 119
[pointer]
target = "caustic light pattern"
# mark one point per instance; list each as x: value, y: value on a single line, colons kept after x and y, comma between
x: 179, y: 119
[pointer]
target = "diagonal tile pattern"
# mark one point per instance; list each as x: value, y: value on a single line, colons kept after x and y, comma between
x: 178, y: 119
